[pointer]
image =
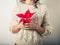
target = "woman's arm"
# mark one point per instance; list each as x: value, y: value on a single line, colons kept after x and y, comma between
x: 16, y: 28
x: 35, y: 27
x: 39, y: 29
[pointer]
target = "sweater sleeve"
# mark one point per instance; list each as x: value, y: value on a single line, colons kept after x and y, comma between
x: 13, y: 18
x: 46, y: 23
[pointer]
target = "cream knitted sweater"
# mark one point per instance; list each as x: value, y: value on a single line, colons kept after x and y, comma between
x: 29, y: 37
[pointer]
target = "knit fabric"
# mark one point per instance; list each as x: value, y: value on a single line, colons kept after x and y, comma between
x: 31, y: 37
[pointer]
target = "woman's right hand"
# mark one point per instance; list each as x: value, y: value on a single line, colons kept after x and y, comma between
x: 16, y: 28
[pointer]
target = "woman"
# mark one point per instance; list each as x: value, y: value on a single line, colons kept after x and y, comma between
x: 30, y: 33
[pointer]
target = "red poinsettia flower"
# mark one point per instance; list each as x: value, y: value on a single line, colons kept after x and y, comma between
x: 25, y: 18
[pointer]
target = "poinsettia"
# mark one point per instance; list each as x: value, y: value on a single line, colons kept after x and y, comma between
x: 25, y: 18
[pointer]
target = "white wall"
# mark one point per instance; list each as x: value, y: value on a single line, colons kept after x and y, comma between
x: 6, y: 6
x: 54, y: 12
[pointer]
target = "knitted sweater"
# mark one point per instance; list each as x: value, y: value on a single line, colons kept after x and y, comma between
x: 31, y: 37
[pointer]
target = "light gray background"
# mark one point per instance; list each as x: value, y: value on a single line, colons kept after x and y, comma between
x: 6, y: 37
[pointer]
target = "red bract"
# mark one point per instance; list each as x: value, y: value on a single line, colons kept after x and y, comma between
x: 25, y: 18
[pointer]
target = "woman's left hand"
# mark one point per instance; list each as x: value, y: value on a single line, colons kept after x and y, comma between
x: 34, y: 26
x: 30, y: 25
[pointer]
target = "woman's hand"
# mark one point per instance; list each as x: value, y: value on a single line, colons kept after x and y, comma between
x: 34, y: 26
x: 30, y: 25
x: 26, y: 26
x: 16, y: 28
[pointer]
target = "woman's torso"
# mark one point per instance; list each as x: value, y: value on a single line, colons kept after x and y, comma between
x: 30, y: 37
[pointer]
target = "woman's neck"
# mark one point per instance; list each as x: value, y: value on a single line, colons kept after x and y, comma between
x: 29, y: 2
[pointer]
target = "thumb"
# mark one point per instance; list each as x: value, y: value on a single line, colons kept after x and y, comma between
x: 21, y: 23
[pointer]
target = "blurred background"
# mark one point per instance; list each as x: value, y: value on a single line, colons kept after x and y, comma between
x: 6, y: 7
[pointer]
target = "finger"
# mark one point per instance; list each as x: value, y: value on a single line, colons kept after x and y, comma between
x: 26, y: 24
x: 31, y: 21
x: 26, y: 28
x: 21, y: 23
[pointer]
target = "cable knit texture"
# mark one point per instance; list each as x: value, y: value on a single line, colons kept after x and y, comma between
x: 30, y: 37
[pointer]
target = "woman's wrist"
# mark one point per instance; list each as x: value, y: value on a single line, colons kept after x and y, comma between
x: 37, y: 27
x: 40, y: 29
x: 18, y: 28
